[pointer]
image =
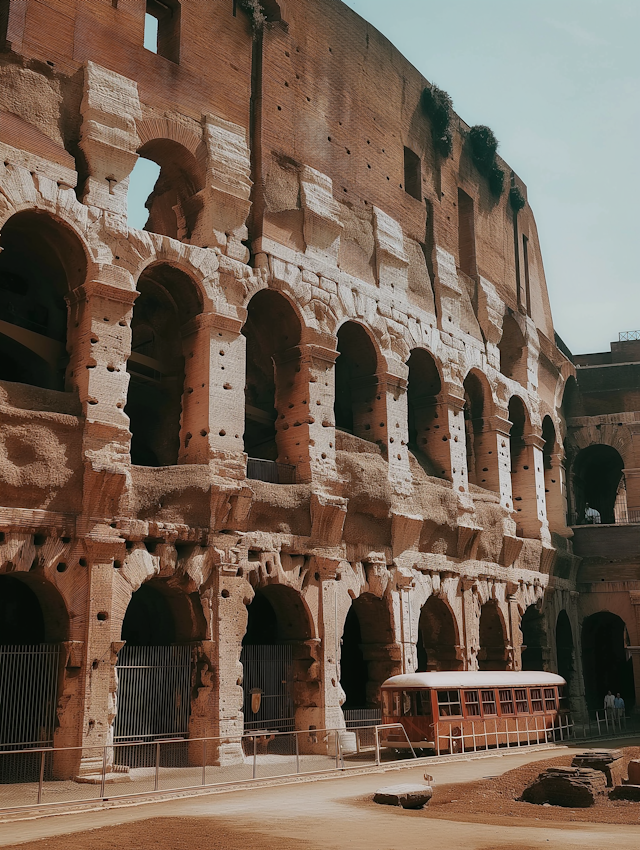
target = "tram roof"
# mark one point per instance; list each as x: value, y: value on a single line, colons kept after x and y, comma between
x: 474, y: 679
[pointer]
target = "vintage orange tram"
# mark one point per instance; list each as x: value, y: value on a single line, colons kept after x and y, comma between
x: 472, y: 710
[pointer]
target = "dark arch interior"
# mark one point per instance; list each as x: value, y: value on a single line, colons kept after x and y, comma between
x: 534, y: 638
x: 21, y: 617
x: 272, y: 328
x: 355, y: 379
x: 175, y: 203
x: 168, y: 299
x: 549, y: 437
x: 437, y: 637
x: 276, y: 615
x: 40, y: 261
x: 565, y: 648
x: 597, y: 471
x: 422, y: 397
x: 518, y: 418
x: 474, y: 423
x: 572, y: 404
x: 511, y: 348
x: 604, y: 660
x: 493, y: 652
x: 158, y: 615
x: 366, y: 627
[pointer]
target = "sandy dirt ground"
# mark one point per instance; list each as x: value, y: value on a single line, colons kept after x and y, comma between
x: 337, y: 814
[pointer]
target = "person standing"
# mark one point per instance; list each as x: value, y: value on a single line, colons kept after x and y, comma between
x: 618, y: 705
x: 610, y: 705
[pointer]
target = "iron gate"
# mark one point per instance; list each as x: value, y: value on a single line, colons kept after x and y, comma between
x: 269, y: 670
x: 153, y: 702
x: 28, y: 699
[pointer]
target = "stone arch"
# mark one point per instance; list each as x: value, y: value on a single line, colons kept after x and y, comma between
x: 158, y: 377
x: 565, y: 650
x: 597, y: 475
x: 493, y: 653
x: 605, y: 665
x: 279, y: 660
x: 273, y: 332
x: 42, y: 260
x: 482, y: 465
x: 534, y: 638
x: 160, y: 614
x: 513, y: 351
x: 30, y: 604
x: 176, y: 202
x: 423, y: 390
x: 552, y: 461
x: 438, y: 638
x: 367, y: 650
x: 356, y: 380
x: 572, y: 404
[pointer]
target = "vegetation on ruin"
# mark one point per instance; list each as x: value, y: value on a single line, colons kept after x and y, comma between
x: 516, y: 199
x: 255, y: 11
x: 437, y: 105
x: 484, y: 148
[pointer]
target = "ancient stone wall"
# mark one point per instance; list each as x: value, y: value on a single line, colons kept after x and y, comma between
x: 299, y: 384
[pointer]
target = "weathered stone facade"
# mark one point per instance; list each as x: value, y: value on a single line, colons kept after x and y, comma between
x: 319, y: 288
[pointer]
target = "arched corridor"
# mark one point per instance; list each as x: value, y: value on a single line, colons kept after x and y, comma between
x: 534, y: 638
x: 422, y: 400
x: 356, y: 382
x: 41, y: 260
x: 493, y: 640
x: 366, y: 654
x: 597, y: 474
x: 438, y: 642
x: 565, y: 650
x: 604, y: 660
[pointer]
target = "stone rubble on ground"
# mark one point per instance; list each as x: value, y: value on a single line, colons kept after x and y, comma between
x: 408, y: 796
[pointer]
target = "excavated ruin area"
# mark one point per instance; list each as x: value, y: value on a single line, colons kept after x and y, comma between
x: 494, y: 800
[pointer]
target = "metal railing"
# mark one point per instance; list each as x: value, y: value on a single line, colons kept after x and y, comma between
x: 515, y: 732
x: 621, y: 517
x: 628, y: 336
x: 92, y: 774
x: 270, y: 471
x: 607, y: 723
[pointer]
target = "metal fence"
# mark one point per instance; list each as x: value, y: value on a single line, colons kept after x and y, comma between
x: 607, y: 723
x: 628, y: 336
x: 488, y: 734
x: 621, y: 517
x: 60, y: 778
x: 270, y: 471
x: 268, y: 687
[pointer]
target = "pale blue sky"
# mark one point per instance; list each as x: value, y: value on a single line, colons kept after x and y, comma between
x: 558, y: 81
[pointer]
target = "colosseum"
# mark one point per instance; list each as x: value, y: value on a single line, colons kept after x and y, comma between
x: 306, y: 429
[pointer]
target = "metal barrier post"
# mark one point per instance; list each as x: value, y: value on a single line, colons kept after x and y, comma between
x: 337, y: 734
x: 255, y: 756
x: 377, y: 731
x: 495, y: 726
x: 436, y: 727
x: 41, y: 777
x: 103, y: 779
x: 295, y: 735
x: 157, y: 765
x: 473, y: 732
x: 204, y: 761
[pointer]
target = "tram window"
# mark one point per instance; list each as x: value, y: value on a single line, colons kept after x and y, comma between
x: 407, y: 708
x: 550, y: 703
x: 472, y: 703
x: 449, y: 703
x: 522, y: 703
x: 489, y: 702
x: 536, y: 699
x: 564, y: 699
x: 397, y: 704
x: 386, y: 703
x: 506, y: 701
x: 423, y: 699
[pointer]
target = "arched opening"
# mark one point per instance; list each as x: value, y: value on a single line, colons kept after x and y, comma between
x: 512, y: 346
x: 422, y: 400
x: 33, y: 623
x: 41, y: 260
x: 366, y: 655
x: 597, y: 476
x: 154, y: 673
x: 523, y: 478
x: 480, y: 469
x: 572, y: 404
x: 605, y: 665
x: 174, y: 200
x: 356, y: 382
x: 273, y: 332
x: 555, y: 501
x: 493, y: 653
x: 438, y: 644
x: 534, y: 639
x: 276, y: 657
x: 565, y: 652
x: 156, y: 366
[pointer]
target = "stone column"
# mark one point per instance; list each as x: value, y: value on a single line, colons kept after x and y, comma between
x: 556, y: 493
x: 213, y: 402
x: 471, y: 620
x: 331, y: 611
x: 493, y: 459
x: 515, y: 660
x: 527, y: 485
x: 391, y: 427
x: 634, y: 598
x: 447, y: 439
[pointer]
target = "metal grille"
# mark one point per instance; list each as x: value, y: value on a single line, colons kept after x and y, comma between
x: 270, y: 471
x: 354, y: 717
x: 152, y: 701
x: 268, y: 669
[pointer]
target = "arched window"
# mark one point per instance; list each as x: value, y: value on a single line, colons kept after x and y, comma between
x: 41, y: 260
x: 422, y: 400
x: 513, y: 354
x: 474, y: 424
x: 275, y: 397
x: 356, y: 382
x: 174, y: 201
x: 597, y: 475
x: 168, y: 299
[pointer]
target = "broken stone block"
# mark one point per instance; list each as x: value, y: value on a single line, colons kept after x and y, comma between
x: 610, y: 762
x: 408, y: 796
x: 625, y: 792
x: 575, y: 788
x: 633, y: 769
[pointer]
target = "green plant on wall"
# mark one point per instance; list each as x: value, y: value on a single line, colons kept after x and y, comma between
x: 255, y: 10
x: 484, y: 148
x: 437, y: 105
x: 516, y: 199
